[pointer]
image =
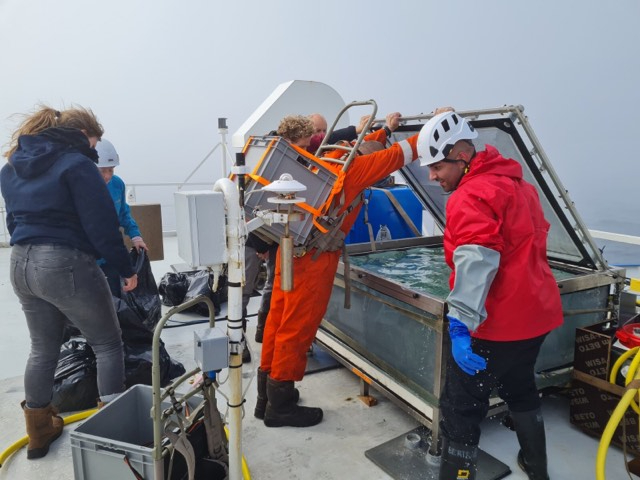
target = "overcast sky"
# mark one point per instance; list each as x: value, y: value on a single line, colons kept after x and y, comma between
x: 159, y: 73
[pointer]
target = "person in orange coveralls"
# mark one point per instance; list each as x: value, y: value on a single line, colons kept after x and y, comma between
x: 295, y: 316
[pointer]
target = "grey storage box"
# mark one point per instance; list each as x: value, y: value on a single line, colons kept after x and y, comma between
x: 273, y: 156
x: 123, y: 428
x: 211, y: 349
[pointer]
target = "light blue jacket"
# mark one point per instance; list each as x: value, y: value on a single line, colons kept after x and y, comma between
x: 117, y: 189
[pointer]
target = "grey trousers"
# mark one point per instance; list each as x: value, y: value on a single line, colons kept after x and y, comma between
x: 251, y: 272
x: 56, y: 284
x: 265, y: 303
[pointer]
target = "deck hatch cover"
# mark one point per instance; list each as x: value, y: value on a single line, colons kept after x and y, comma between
x: 565, y: 242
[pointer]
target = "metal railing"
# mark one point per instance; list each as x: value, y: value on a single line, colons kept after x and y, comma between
x: 142, y: 193
x: 162, y: 193
x: 148, y: 193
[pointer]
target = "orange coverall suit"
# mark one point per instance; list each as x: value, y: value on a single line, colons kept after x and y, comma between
x: 295, y: 316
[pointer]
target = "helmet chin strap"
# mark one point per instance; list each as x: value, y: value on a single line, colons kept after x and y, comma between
x: 468, y: 164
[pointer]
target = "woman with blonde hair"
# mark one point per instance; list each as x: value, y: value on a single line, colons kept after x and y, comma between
x: 61, y: 219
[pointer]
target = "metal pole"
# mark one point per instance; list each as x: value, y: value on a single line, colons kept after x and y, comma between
x: 197, y: 167
x: 286, y: 257
x: 222, y: 129
x: 235, y: 271
x: 505, y: 110
x: 587, y: 239
x: 241, y: 179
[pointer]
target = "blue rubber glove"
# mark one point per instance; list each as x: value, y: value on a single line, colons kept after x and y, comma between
x: 468, y: 361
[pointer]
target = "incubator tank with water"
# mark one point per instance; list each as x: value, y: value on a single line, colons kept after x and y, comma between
x: 392, y: 336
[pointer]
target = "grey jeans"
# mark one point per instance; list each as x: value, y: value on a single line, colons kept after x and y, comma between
x: 56, y: 283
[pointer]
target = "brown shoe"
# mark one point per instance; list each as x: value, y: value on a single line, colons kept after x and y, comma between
x: 43, y: 427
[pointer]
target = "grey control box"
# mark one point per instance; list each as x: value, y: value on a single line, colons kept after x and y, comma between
x: 211, y: 349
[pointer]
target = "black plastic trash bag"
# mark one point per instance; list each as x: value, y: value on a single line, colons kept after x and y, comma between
x: 138, y: 365
x: 138, y: 313
x: 144, y: 300
x: 173, y: 287
x: 75, y: 386
x: 139, y: 310
x: 178, y: 288
x: 132, y: 325
x: 221, y: 296
x: 200, y: 283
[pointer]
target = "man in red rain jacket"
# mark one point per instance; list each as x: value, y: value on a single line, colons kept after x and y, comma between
x: 504, y: 299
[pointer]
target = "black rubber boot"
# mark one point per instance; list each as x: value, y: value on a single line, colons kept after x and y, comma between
x: 282, y: 410
x: 261, y: 402
x: 459, y: 461
x: 532, y: 457
x: 262, y: 320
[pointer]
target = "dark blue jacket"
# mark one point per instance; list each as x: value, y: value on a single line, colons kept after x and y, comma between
x: 343, y: 134
x: 54, y: 193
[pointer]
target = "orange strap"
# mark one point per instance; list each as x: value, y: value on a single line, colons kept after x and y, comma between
x: 336, y: 190
x: 303, y: 205
x: 263, y: 181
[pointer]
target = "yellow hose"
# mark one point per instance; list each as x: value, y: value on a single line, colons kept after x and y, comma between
x: 620, y: 362
x: 245, y: 468
x: 618, y: 414
x: 630, y: 374
x: 24, y: 440
x: 81, y: 416
x: 12, y: 448
x: 630, y: 377
x: 607, y: 435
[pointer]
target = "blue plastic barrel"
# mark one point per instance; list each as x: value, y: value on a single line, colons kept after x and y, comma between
x: 382, y: 212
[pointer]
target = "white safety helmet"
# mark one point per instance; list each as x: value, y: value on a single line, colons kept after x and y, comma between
x: 440, y: 134
x: 107, y: 155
